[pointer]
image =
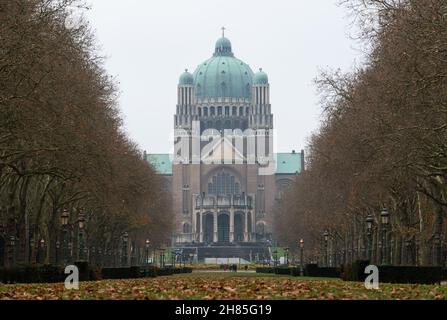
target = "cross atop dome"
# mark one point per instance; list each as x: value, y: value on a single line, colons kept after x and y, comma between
x: 223, y: 32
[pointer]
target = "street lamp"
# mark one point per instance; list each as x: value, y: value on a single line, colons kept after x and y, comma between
x: 42, y: 251
x: 12, y: 242
x: 81, y: 225
x: 125, y: 248
x: 409, y: 258
x: 302, y: 257
x: 148, y: 242
x: 287, y: 256
x: 58, y: 245
x: 162, y: 258
x: 369, y: 233
x: 326, y: 239
x: 437, y: 249
x: 385, y: 221
x: 275, y: 257
x: 65, y: 217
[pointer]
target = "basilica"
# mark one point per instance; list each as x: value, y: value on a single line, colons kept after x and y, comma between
x: 224, y: 175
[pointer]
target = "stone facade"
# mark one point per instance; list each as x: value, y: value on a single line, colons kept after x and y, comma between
x: 225, y: 195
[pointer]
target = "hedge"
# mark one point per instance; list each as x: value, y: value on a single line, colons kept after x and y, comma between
x: 265, y: 270
x: 32, y: 274
x: 395, y: 274
x: 313, y: 270
x: 127, y: 273
x: 296, y: 272
x: 283, y: 270
x: 52, y: 274
x: 354, y: 271
x: 412, y: 275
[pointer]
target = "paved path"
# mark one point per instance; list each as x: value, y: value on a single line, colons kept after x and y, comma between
x: 221, y: 271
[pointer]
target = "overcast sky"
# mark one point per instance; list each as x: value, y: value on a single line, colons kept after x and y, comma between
x: 148, y: 44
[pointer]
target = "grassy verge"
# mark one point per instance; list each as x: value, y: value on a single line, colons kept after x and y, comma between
x: 222, y: 286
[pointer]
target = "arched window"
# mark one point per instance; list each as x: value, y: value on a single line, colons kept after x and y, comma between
x: 227, y: 111
x: 205, y: 111
x: 247, y: 111
x: 200, y: 112
x: 212, y: 111
x: 219, y: 111
x: 234, y: 111
x: 241, y: 111
x: 223, y: 184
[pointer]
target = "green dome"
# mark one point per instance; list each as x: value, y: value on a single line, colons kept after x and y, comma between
x: 223, y: 47
x: 223, y: 75
x: 186, y: 78
x: 260, y: 77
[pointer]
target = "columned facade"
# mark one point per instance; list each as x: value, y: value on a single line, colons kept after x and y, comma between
x: 224, y: 220
x: 225, y: 195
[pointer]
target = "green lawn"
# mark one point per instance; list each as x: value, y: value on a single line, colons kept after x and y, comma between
x: 205, y: 285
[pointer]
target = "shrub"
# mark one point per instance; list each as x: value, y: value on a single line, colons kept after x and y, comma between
x: 444, y: 274
x: 165, y: 271
x: 411, y: 275
x: 312, y: 270
x: 296, y: 272
x: 149, y: 272
x: 265, y: 270
x: 32, y: 274
x: 119, y: 273
x: 355, y: 271
x: 283, y: 270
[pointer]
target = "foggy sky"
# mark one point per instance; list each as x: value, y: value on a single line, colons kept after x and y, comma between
x: 148, y: 44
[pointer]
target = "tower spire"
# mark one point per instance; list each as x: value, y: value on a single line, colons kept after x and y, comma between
x: 223, y: 32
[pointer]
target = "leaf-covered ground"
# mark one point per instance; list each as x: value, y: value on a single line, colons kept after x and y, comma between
x: 221, y: 286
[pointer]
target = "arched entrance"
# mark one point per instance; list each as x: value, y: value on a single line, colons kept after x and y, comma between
x: 2, y: 251
x: 239, y: 227
x: 208, y: 228
x: 223, y: 228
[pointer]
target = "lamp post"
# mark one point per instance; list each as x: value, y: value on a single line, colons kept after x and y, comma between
x: 125, y: 249
x: 275, y: 257
x: 437, y: 249
x: 162, y: 258
x: 369, y: 235
x: 385, y: 221
x: 302, y: 257
x: 32, y: 243
x: 65, y: 216
x: 408, y: 253
x: 287, y: 256
x: 148, y: 242
x: 42, y: 251
x: 58, y: 246
x: 81, y: 225
x: 326, y: 239
x: 12, y: 243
